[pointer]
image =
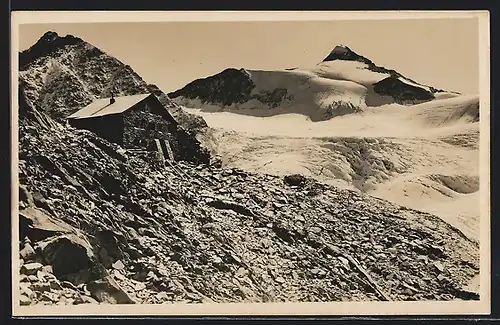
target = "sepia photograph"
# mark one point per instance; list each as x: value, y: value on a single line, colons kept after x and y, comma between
x: 250, y: 163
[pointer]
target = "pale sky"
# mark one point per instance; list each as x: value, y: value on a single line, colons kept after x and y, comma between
x: 442, y: 53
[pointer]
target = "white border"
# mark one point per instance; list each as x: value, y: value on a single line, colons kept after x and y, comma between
x: 481, y: 307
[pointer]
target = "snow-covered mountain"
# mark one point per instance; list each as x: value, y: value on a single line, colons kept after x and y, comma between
x: 344, y: 82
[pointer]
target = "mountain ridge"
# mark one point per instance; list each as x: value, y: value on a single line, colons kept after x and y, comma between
x: 343, y: 83
x: 342, y: 52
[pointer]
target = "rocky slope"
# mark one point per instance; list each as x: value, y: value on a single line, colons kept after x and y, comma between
x: 343, y: 83
x: 61, y: 74
x: 100, y: 225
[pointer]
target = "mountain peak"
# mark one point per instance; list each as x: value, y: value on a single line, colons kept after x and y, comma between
x: 48, y: 37
x: 48, y: 43
x: 341, y: 47
x: 343, y: 52
x: 51, y: 37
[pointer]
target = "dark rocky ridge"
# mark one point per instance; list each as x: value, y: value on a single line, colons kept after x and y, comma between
x: 344, y: 53
x: 227, y: 87
x: 102, y: 225
x: 401, y: 91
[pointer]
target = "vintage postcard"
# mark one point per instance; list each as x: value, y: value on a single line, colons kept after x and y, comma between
x: 250, y: 163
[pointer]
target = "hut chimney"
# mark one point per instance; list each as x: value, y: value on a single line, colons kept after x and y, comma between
x: 112, y: 99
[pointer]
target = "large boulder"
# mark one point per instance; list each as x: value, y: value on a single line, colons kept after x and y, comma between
x: 72, y: 258
x: 67, y: 254
x: 295, y: 180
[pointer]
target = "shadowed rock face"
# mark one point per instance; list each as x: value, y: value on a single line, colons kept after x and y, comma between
x: 401, y: 91
x: 227, y: 87
x: 231, y: 86
x: 341, y: 52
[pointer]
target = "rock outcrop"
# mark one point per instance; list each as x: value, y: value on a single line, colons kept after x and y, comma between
x: 341, y: 52
x: 402, y: 92
x: 227, y: 87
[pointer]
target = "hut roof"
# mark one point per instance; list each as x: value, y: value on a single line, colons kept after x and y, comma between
x: 105, y: 106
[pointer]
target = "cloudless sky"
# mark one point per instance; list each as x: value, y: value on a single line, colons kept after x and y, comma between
x: 440, y: 52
